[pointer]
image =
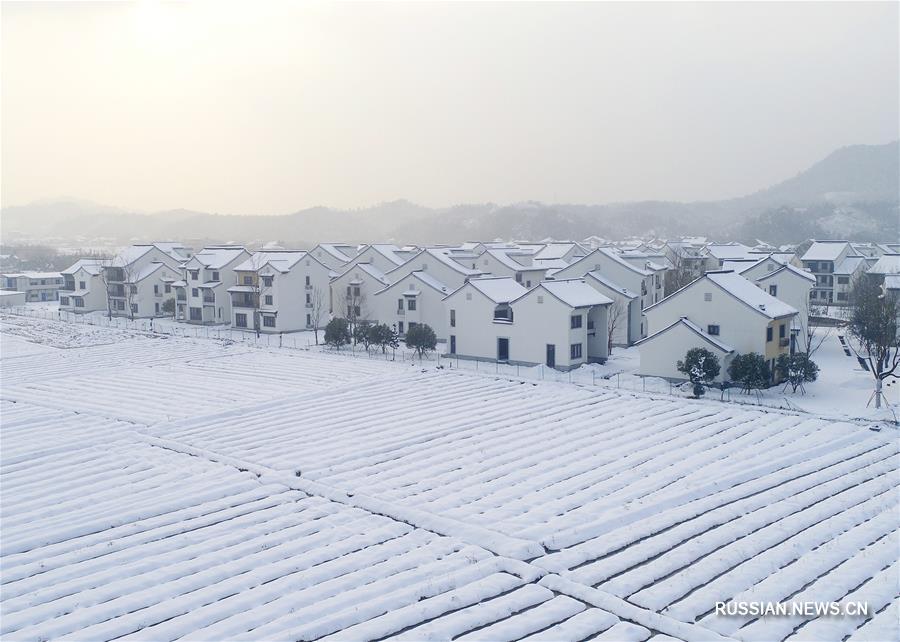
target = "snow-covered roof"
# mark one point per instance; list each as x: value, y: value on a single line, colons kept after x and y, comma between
x: 499, y: 289
x: 693, y: 327
x: 615, y: 256
x: 281, y: 260
x: 390, y: 252
x: 242, y: 288
x: 892, y: 281
x: 421, y: 276
x: 825, y: 250
x: 443, y: 255
x: 601, y: 278
x: 341, y: 251
x: 575, y: 293
x: 146, y: 271
x: 557, y: 250
x: 369, y: 269
x: 34, y: 275
x: 740, y: 265
x: 91, y: 266
x: 728, y: 250
x: 745, y: 291
x: 793, y: 269
x: 886, y: 264
x: 509, y: 262
x: 216, y: 258
x: 850, y: 265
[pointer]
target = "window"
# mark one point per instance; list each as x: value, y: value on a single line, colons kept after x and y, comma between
x: 781, y: 331
x: 269, y: 322
x: 707, y: 296
x: 575, y: 351
x: 157, y: 307
x: 196, y: 314
x: 195, y: 274
x: 773, y: 290
x: 452, y: 318
x: 518, y: 277
x: 268, y: 299
x: 82, y: 285
x: 411, y: 305
x: 468, y: 296
x: 168, y: 288
x: 575, y: 322
x: 540, y: 299
x: 134, y: 308
x: 308, y: 298
x: 133, y: 289
x: 356, y: 311
x: 843, y: 280
x: 841, y: 296
x: 267, y: 281
x: 248, y: 280
x: 308, y: 321
x: 64, y: 300
x: 400, y: 327
x: 307, y: 280
x: 356, y: 290
x: 155, y: 288
x: 195, y: 292
x: 215, y: 276
x: 527, y: 284
x: 240, y: 320
x: 79, y: 302
x: 349, y: 291
x: 712, y: 330
x: 768, y: 334
x: 120, y: 305
x: 400, y: 304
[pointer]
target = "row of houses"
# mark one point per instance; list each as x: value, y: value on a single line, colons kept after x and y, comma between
x: 562, y: 304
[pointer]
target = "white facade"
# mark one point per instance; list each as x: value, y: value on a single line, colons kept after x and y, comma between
x: 626, y: 305
x: 136, y: 279
x: 729, y: 309
x: 562, y: 324
x: 10, y: 298
x: 280, y: 291
x: 353, y: 291
x: 415, y: 299
x: 202, y: 292
x: 83, y: 289
x: 791, y: 285
x: 37, y: 286
x: 661, y: 351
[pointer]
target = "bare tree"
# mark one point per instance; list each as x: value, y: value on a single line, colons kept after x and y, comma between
x: 319, y: 311
x: 130, y: 289
x: 873, y: 333
x: 680, y: 274
x: 814, y: 335
x: 353, y: 306
x: 614, y: 317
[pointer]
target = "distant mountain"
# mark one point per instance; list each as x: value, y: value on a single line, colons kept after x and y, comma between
x: 852, y: 193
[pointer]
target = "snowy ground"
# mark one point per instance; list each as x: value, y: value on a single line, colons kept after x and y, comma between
x: 159, y: 487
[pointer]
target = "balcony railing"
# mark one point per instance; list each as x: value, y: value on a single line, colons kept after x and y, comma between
x: 181, y: 297
x: 241, y: 303
x: 784, y: 342
x: 209, y: 299
x: 401, y: 312
x: 68, y: 286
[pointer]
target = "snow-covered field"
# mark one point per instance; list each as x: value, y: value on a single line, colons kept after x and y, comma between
x: 160, y: 488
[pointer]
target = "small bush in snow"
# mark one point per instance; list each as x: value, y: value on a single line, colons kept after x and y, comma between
x: 797, y: 369
x: 421, y: 338
x: 337, y: 333
x: 700, y: 366
x: 750, y: 371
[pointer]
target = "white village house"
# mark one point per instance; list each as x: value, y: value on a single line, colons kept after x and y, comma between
x: 37, y: 286
x: 202, y: 292
x: 835, y: 265
x: 280, y: 291
x: 561, y: 324
x: 720, y: 309
x: 83, y: 289
x: 137, y: 278
x: 412, y: 300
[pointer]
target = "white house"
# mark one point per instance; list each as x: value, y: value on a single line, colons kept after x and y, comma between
x: 791, y: 285
x: 648, y: 281
x: 414, y: 299
x: 624, y: 313
x: 726, y: 308
x: 202, y: 292
x: 835, y: 265
x: 509, y: 262
x: 383, y: 256
x: 566, y: 251
x: 280, y: 291
x: 136, y: 279
x: 558, y: 323
x: 661, y: 351
x: 83, y: 289
x: 353, y: 290
x: 10, y: 298
x: 37, y: 286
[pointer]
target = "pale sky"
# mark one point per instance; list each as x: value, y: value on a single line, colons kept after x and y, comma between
x: 267, y: 107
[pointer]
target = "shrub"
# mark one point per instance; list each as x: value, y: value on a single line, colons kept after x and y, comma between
x: 700, y: 366
x: 421, y: 338
x: 337, y: 333
x: 750, y: 371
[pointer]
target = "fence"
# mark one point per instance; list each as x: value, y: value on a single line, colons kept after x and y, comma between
x: 586, y: 376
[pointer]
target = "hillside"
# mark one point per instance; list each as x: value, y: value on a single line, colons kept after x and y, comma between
x: 851, y: 193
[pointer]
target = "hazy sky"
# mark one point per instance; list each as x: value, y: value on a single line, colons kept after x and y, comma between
x: 272, y: 107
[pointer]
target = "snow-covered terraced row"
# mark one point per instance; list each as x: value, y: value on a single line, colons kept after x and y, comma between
x: 126, y: 540
x: 208, y: 491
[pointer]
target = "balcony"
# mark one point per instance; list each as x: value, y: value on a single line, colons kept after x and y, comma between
x: 784, y: 342
x: 209, y: 299
x: 308, y: 286
x: 180, y: 296
x: 68, y: 286
x: 401, y: 312
x: 243, y: 303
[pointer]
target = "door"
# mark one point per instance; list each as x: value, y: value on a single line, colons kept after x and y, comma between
x: 551, y: 355
x: 502, y: 349
x: 452, y: 344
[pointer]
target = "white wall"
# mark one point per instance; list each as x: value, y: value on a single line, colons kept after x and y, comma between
x: 660, y: 355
